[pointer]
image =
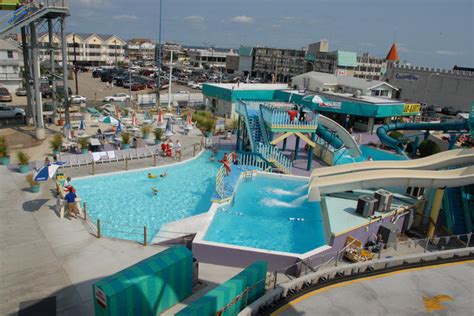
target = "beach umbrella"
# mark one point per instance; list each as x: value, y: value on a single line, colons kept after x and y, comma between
x: 147, y: 116
x: 168, y: 131
x: 117, y: 113
x: 46, y: 172
x: 82, y: 124
x: 67, y: 128
x: 189, y: 122
x: 109, y: 120
x: 160, y: 116
x: 119, y: 126
x: 134, y: 120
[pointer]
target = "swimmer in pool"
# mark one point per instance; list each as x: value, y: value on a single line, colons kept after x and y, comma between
x: 164, y: 174
x: 151, y: 176
x: 154, y: 191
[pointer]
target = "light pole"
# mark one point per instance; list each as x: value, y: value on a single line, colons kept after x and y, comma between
x: 158, y: 63
x: 170, y: 81
x: 427, y: 85
x: 115, y: 42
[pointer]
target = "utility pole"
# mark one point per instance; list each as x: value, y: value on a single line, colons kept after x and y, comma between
x: 65, y: 70
x: 75, y: 63
x: 158, y: 63
x: 115, y: 46
x: 52, y: 62
x: 171, y: 79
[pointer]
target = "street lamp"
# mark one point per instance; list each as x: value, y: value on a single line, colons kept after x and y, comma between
x: 158, y: 84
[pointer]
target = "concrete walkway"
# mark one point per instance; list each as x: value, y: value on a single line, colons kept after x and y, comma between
x: 440, y: 290
x: 43, y: 255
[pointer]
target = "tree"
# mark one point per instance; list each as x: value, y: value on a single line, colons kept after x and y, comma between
x: 428, y: 148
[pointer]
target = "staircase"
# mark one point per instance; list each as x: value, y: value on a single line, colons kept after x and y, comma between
x: 31, y: 12
x: 459, y: 209
x: 259, y: 140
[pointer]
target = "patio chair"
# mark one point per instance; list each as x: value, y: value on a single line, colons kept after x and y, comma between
x: 140, y: 153
x: 96, y: 156
x: 111, y: 155
x: 119, y: 154
x: 73, y: 161
x: 133, y: 153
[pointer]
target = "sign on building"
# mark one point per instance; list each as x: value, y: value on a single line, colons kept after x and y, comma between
x: 411, y: 108
x: 409, y: 77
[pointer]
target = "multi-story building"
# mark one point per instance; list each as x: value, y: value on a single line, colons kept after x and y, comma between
x: 9, y: 65
x: 179, y: 53
x: 140, y: 50
x: 91, y: 49
x: 370, y: 67
x: 278, y: 64
x: 209, y: 58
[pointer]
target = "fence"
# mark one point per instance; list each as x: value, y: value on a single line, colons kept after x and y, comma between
x: 220, y: 183
x: 323, y: 262
x: 273, y: 155
x: 280, y: 119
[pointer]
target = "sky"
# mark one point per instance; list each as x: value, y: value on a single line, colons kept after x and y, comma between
x: 432, y: 33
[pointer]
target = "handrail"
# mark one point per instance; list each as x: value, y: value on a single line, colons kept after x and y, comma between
x: 241, y: 108
x: 263, y: 128
x: 278, y: 118
x: 276, y: 157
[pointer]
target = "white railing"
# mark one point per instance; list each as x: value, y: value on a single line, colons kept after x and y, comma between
x: 254, y: 161
x: 220, y: 183
x: 276, y: 157
x: 278, y: 118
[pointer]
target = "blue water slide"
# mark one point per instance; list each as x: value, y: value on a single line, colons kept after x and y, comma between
x: 450, y: 126
x: 330, y: 137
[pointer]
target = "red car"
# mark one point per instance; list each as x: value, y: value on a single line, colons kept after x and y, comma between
x: 137, y: 86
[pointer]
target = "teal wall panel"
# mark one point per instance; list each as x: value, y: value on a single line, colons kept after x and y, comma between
x: 219, y: 297
x: 148, y: 287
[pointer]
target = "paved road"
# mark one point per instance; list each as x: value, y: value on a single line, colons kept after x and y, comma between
x: 439, y: 290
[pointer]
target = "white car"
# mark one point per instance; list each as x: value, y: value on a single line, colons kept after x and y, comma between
x: 183, y: 92
x: 118, y: 97
x: 11, y: 112
x: 78, y: 99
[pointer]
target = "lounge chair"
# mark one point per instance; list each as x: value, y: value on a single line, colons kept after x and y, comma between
x: 73, y: 160
x: 119, y: 154
x: 111, y: 155
x: 133, y: 153
x: 96, y: 156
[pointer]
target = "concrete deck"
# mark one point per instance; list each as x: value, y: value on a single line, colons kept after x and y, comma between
x: 44, y: 256
x: 440, y: 290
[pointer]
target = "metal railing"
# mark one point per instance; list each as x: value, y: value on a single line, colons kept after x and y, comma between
x: 276, y: 157
x: 280, y: 119
x: 241, y: 108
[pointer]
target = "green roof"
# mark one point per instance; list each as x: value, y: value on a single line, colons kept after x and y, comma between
x: 245, y: 51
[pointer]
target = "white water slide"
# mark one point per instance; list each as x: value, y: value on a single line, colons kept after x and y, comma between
x: 457, y: 157
x: 343, y: 134
x: 390, y: 178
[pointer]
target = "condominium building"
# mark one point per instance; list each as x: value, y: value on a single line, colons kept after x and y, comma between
x: 278, y: 64
x: 91, y: 49
x: 209, y: 58
x: 370, y: 67
x: 9, y: 65
x: 140, y: 50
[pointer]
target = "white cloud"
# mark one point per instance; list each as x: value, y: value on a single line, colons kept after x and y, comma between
x: 243, y: 19
x: 447, y: 52
x: 125, y: 18
x: 194, y: 19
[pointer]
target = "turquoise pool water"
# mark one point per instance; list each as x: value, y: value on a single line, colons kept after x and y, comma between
x: 124, y: 202
x: 375, y: 153
x: 270, y: 214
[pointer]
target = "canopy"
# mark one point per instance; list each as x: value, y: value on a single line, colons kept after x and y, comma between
x: 109, y: 120
x: 46, y: 172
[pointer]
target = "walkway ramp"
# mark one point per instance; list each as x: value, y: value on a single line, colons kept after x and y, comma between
x: 349, y: 142
x: 451, y: 158
x: 390, y: 178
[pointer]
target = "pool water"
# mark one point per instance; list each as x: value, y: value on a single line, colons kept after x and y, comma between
x: 124, y: 202
x: 375, y: 153
x: 266, y: 213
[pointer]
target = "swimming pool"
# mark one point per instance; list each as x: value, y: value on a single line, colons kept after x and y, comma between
x: 272, y: 214
x: 375, y: 153
x: 124, y: 202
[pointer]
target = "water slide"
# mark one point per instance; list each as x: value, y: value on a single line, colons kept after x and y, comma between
x: 450, y: 126
x: 390, y: 178
x: 341, y: 137
x: 450, y: 158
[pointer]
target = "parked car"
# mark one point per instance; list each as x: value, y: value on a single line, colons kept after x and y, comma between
x: 21, y: 92
x: 118, y: 97
x: 137, y: 86
x: 78, y: 99
x: 5, y: 95
x: 183, y: 92
x: 449, y: 110
x: 11, y: 112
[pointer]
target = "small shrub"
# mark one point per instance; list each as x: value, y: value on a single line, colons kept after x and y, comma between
x: 83, y: 142
x: 147, y: 129
x: 3, y: 147
x: 30, y: 179
x: 126, y: 138
x: 158, y: 133
x: 428, y: 148
x: 23, y: 158
x: 56, y: 142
